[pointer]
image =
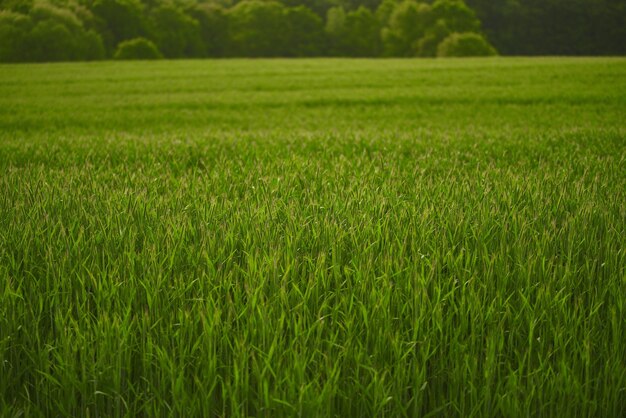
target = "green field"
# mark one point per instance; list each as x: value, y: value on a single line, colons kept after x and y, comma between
x: 316, y: 238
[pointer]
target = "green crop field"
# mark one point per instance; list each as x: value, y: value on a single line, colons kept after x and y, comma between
x: 315, y: 238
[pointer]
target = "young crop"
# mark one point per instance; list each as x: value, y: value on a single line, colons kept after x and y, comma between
x: 313, y: 238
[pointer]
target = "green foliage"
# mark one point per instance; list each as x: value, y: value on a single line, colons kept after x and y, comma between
x: 351, y: 5
x: 435, y: 34
x: 304, y: 31
x: 175, y: 33
x: 119, y: 20
x: 356, y: 33
x: 465, y: 45
x: 319, y: 7
x: 47, y: 33
x: 257, y: 28
x: 385, y: 9
x: 315, y: 238
x: 14, y: 31
x: 362, y: 38
x: 201, y: 28
x: 407, y: 23
x: 416, y: 28
x: 213, y: 23
x: 19, y: 6
x: 336, y: 30
x: 456, y: 14
x: 137, y: 49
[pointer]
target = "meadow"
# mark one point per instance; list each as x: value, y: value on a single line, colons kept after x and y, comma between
x: 315, y: 238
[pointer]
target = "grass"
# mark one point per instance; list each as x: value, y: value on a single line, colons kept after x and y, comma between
x: 313, y: 238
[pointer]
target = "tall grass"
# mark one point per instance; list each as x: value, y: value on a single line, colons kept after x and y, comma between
x: 313, y: 238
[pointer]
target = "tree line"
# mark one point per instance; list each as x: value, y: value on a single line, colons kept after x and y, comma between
x: 65, y: 30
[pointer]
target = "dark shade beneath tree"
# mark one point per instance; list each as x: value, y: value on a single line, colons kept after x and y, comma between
x: 554, y: 27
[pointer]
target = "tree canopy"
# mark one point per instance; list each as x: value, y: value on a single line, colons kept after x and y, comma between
x: 65, y: 30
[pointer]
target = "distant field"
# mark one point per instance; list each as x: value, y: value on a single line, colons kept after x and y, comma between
x: 316, y: 238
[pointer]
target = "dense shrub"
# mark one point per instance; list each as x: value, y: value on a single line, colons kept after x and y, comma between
x: 137, y: 49
x: 465, y: 45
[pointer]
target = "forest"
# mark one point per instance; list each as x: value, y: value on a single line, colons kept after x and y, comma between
x: 78, y: 30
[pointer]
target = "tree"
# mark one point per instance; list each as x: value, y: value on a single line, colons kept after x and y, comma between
x: 456, y: 14
x: 417, y: 28
x: 355, y: 34
x: 362, y: 33
x: 14, y: 30
x: 119, y: 20
x: 384, y: 11
x: 76, y: 29
x: 319, y: 7
x: 435, y: 34
x: 58, y: 35
x: 257, y: 28
x: 406, y: 24
x: 213, y: 25
x: 176, y: 34
x: 18, y: 6
x: 351, y: 5
x: 336, y: 30
x: 304, y: 32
